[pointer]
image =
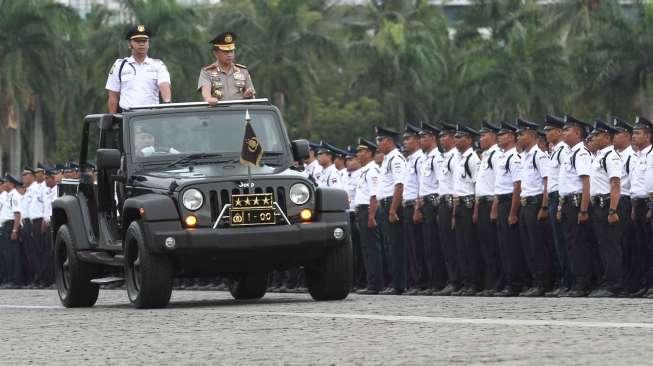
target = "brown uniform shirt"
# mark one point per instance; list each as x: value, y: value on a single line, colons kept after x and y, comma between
x: 226, y: 85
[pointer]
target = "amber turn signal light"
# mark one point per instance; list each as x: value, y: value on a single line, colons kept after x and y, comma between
x: 190, y: 221
x: 306, y: 215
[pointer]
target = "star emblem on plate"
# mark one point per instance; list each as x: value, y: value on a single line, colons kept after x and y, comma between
x: 255, y: 203
x: 237, y: 203
x: 266, y: 201
x: 247, y: 201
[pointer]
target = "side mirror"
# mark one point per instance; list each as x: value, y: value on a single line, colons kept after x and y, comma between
x: 108, y: 159
x: 300, y: 150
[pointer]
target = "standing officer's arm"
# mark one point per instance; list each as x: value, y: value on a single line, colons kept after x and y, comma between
x: 166, y: 92
x: 112, y: 101
x: 397, y: 195
x: 163, y: 80
x: 206, y: 94
x: 249, y: 92
x: 371, y: 218
x: 513, y: 217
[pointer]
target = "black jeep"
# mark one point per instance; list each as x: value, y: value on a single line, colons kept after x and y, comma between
x: 163, y: 194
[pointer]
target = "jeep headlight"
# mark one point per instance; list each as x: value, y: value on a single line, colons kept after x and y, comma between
x: 299, y: 193
x: 192, y: 199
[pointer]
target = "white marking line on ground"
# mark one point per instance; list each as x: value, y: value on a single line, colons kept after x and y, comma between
x: 404, y: 318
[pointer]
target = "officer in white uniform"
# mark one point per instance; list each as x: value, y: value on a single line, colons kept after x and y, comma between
x: 533, y: 215
x: 36, y: 214
x: 137, y: 79
x: 426, y: 209
x: 10, y: 219
x: 450, y: 156
x: 464, y: 177
x: 392, y: 180
x: 330, y: 177
x: 51, y: 192
x: 3, y: 198
x: 484, y: 189
x: 350, y: 177
x: 574, y: 187
x: 366, y: 212
x: 606, y: 208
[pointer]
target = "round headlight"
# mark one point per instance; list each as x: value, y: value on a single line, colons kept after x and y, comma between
x: 299, y: 193
x: 192, y: 199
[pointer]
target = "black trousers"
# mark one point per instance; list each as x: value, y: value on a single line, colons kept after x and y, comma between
x: 535, y: 235
x: 636, y: 234
x: 578, y: 246
x: 448, y: 242
x: 510, y: 248
x: 371, y: 249
x: 435, y: 263
x: 359, y: 280
x: 469, y: 253
x: 41, y: 252
x: 561, y: 259
x: 414, y: 249
x: 31, y: 252
x: 609, y: 243
x: 489, y: 242
x: 393, y: 243
x: 11, y: 255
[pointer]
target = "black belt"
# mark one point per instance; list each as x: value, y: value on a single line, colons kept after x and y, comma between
x: 362, y: 207
x: 468, y: 200
x: 636, y: 201
x: 487, y: 199
x: 386, y: 201
x: 553, y: 195
x: 572, y: 199
x: 433, y: 198
x: 601, y: 200
x: 531, y: 200
x: 446, y: 199
x: 504, y: 197
x: 410, y: 202
x: 38, y: 219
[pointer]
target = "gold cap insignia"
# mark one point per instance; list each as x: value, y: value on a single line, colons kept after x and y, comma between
x: 228, y: 38
x: 140, y: 28
x: 252, y: 144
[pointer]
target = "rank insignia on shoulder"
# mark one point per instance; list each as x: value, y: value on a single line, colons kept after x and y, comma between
x: 241, y: 66
x: 209, y: 67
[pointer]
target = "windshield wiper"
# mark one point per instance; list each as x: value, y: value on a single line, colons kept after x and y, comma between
x: 189, y: 158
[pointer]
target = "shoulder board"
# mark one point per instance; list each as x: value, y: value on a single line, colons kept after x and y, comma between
x: 208, y: 67
x: 241, y: 66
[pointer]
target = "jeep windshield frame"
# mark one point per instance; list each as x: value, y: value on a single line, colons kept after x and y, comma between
x: 180, y: 132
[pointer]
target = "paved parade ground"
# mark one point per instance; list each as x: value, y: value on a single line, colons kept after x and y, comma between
x: 208, y: 327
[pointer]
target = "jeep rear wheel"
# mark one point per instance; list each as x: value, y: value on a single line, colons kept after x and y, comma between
x: 331, y: 277
x: 72, y: 276
x: 248, y: 286
x: 148, y: 276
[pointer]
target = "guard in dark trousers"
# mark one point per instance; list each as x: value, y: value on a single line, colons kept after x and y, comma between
x: 389, y: 194
x: 426, y: 210
x: 31, y: 239
x: 563, y: 279
x: 605, y: 190
x: 637, y: 254
x: 486, y: 228
x: 464, y: 175
x: 450, y: 156
x: 534, y: 212
x: 417, y: 276
x: 9, y: 233
x: 574, y: 187
x: 505, y: 210
x: 366, y: 216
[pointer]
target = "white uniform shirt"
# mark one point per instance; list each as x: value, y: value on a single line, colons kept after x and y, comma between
x: 350, y: 186
x: 649, y: 173
x: 37, y: 202
x: 628, y: 160
x: 393, y: 172
x: 576, y: 163
x: 26, y: 201
x: 3, y: 199
x: 606, y: 165
x: 344, y: 174
x: 367, y: 182
x: 138, y: 84
x: 51, y: 194
x: 330, y: 177
x: 414, y: 166
x: 487, y: 171
x: 559, y: 152
x: 638, y: 173
x: 10, y: 206
x: 507, y: 169
x: 314, y: 169
x: 447, y: 165
x: 464, y: 173
x: 534, y: 168
x: 428, y: 177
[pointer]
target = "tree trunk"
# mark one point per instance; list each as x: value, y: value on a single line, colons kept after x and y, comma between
x: 37, y: 133
x: 279, y: 99
x: 307, y: 123
x: 15, y: 149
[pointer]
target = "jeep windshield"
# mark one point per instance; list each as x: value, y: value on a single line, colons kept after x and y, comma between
x: 212, y: 135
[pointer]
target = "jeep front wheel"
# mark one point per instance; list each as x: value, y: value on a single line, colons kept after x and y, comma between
x: 148, y: 276
x: 72, y: 276
x: 248, y: 286
x: 331, y: 277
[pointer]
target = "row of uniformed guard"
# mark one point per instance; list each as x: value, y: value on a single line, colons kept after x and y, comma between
x: 563, y: 211
x: 25, y: 211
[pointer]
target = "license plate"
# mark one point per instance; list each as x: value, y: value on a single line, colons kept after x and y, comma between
x: 252, y: 209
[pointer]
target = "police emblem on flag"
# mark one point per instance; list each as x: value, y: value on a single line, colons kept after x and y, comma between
x: 252, y: 151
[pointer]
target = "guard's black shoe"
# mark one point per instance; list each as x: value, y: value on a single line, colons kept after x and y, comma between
x: 412, y: 292
x: 392, y: 291
x: 487, y: 293
x: 602, y: 292
x: 555, y: 292
x: 427, y: 292
x: 506, y: 292
x: 367, y: 291
x: 575, y: 293
x: 640, y: 292
x: 470, y: 291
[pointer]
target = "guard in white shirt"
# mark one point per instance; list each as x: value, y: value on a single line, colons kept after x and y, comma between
x: 330, y: 176
x: 138, y: 79
x: 641, y: 277
x: 389, y: 194
x: 30, y: 207
x: 470, y: 258
x: 426, y: 210
x: 606, y: 209
x: 563, y: 279
x: 10, y: 218
x: 417, y: 278
x: 505, y: 210
x: 450, y: 156
x: 351, y: 176
x: 573, y: 210
x: 313, y: 167
x: 366, y: 216
x: 3, y: 198
x: 534, y: 212
x: 486, y: 228
x: 51, y: 193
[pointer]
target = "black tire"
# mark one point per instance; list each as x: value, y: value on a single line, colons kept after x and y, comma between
x: 148, y: 276
x: 249, y: 286
x: 72, y: 276
x: 331, y: 277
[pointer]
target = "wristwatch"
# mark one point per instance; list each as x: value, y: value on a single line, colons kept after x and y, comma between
x: 612, y: 211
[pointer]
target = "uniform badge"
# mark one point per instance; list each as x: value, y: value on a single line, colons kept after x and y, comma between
x: 141, y: 28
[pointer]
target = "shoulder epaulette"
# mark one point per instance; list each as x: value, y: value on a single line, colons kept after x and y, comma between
x: 211, y: 66
x: 241, y: 66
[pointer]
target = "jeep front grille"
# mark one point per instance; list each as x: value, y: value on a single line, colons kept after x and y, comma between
x: 219, y: 198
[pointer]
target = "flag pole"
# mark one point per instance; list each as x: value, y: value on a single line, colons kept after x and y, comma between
x: 249, y: 167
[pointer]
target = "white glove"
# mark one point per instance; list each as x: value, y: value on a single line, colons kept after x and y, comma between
x: 147, y: 151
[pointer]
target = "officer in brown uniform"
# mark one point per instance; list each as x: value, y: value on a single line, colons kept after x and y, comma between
x: 224, y: 79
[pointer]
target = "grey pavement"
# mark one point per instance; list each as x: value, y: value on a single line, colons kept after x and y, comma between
x: 208, y: 327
